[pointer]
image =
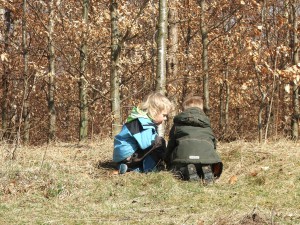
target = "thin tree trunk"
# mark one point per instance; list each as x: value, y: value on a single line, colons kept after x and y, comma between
x: 25, y: 104
x: 162, y: 52
x: 277, y: 107
x: 161, y: 46
x: 187, y: 54
x: 258, y: 75
x: 114, y: 74
x: 5, y: 84
x: 51, y: 85
x: 295, y: 55
x: 153, y: 51
x: 227, y: 99
x: 224, y: 106
x: 272, y: 98
x: 83, y: 133
x: 26, y: 115
x: 227, y: 92
x: 286, y: 97
x: 221, y: 107
x: 172, y: 59
x: 204, y: 36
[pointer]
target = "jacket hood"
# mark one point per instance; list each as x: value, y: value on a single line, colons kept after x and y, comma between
x: 192, y: 117
x: 137, y: 113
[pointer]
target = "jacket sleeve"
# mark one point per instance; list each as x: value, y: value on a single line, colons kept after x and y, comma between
x: 144, y: 135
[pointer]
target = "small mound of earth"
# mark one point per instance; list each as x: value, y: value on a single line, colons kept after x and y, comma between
x: 254, y: 219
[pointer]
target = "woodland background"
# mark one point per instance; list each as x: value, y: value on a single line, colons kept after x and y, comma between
x: 72, y: 70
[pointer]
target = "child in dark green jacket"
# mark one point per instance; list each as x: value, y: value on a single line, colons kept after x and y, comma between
x: 191, y: 150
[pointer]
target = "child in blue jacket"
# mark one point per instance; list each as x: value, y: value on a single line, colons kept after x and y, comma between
x: 138, y: 147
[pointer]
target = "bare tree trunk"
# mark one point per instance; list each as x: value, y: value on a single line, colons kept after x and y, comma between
x: 221, y: 107
x: 295, y: 57
x: 261, y: 107
x: 259, y: 81
x: 187, y: 54
x: 162, y: 52
x: 260, y: 132
x: 227, y: 93
x: 173, y: 31
x: 227, y: 98
x: 51, y: 85
x: 272, y: 98
x: 224, y: 106
x: 83, y: 133
x: 277, y: 107
x: 5, y: 85
x: 161, y: 46
x: 204, y: 36
x: 83, y: 80
x: 173, y: 37
x: 25, y: 115
x: 114, y: 75
x: 153, y: 51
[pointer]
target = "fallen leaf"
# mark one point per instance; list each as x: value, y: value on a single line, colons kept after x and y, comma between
x: 200, y: 222
x: 233, y: 179
x: 115, y: 172
x: 253, y: 173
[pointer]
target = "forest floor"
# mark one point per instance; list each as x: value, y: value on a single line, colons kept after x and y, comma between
x: 74, y: 184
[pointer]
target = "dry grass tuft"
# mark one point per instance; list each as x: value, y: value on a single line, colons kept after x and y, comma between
x: 75, y: 184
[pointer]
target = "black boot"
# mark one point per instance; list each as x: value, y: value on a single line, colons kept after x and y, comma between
x: 208, y: 176
x: 191, y: 173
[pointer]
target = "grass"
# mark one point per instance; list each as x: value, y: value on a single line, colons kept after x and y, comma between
x: 71, y: 184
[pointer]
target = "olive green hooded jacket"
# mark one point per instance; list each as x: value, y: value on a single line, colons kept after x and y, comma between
x: 191, y: 139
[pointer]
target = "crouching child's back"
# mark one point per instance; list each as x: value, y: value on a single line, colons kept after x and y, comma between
x: 191, y: 151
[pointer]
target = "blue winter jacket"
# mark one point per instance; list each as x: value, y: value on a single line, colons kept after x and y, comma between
x: 139, y: 133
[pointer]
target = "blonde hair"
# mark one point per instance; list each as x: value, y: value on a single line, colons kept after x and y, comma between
x: 154, y: 104
x: 192, y: 101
